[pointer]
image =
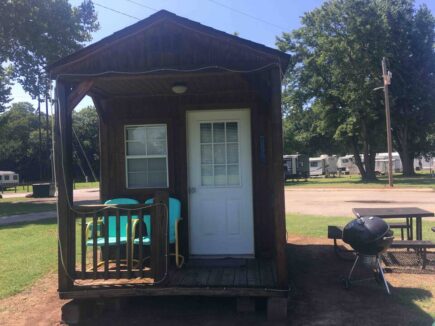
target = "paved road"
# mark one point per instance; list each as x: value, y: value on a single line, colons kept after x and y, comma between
x: 310, y: 201
x: 83, y: 196
x: 339, y: 202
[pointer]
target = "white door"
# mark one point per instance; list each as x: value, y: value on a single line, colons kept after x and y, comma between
x: 220, y: 183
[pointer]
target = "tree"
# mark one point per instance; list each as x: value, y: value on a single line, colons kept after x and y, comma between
x: 85, y: 125
x: 35, y: 33
x: 19, y: 145
x: 336, y: 65
x: 410, y: 36
x: 334, y: 68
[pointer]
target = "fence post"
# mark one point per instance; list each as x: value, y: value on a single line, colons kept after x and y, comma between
x: 159, y: 236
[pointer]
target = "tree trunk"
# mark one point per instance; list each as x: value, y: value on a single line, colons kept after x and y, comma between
x: 406, y: 156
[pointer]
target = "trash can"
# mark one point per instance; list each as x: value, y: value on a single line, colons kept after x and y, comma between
x: 41, y: 190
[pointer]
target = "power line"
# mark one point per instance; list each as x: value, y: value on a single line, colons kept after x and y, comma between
x: 117, y: 11
x: 142, y: 5
x: 248, y: 15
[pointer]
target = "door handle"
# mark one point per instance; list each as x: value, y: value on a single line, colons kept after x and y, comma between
x: 191, y: 190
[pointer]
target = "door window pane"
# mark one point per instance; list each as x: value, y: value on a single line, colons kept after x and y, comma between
x: 205, y: 133
x: 219, y: 154
x: 219, y: 132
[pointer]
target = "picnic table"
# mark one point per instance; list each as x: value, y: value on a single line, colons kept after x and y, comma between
x: 398, y: 212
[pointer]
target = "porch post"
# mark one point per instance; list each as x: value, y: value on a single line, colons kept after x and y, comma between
x: 63, y: 162
x: 276, y: 177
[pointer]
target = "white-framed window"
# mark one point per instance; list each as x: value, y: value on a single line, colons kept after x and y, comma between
x: 146, y: 156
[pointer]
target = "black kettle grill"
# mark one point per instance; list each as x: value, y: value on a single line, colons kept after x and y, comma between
x: 369, y: 237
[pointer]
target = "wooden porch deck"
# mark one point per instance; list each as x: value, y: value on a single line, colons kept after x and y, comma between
x: 221, y: 277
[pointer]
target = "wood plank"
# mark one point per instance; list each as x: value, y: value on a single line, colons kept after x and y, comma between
x: 277, y: 188
x: 253, y: 276
x: 240, y: 279
x: 63, y: 158
x: 106, y: 244
x: 228, y: 276
x: 82, y: 292
x: 215, y: 276
x: 129, y: 244
x: 83, y: 244
x: 159, y: 236
x: 118, y: 244
x: 79, y: 93
x: 94, y: 244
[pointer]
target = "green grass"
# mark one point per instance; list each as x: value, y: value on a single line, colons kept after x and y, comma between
x: 83, y: 185
x: 27, y: 252
x: 316, y: 226
x: 15, y: 206
x: 421, y: 180
x: 20, y: 189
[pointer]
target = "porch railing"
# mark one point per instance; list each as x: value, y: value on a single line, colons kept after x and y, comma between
x: 114, y: 255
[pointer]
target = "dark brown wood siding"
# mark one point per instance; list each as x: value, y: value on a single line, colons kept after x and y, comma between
x: 119, y: 112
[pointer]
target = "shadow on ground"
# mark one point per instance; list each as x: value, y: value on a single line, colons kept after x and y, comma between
x: 318, y: 298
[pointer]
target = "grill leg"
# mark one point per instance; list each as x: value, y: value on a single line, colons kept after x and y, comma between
x: 378, y: 261
x: 353, y: 268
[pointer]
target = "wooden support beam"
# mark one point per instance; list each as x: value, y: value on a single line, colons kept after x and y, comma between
x: 276, y: 177
x: 159, y: 236
x: 78, y: 93
x: 63, y: 161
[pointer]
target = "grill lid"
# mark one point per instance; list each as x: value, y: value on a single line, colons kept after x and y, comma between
x: 365, y: 230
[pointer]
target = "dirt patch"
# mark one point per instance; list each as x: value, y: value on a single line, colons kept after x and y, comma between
x: 318, y: 298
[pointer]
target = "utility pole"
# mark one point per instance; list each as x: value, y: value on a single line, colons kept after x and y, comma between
x: 387, y: 81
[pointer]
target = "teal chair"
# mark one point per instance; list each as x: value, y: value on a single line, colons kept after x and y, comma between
x: 174, y: 221
x: 111, y: 220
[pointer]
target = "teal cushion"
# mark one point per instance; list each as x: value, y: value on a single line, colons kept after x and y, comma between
x: 174, y: 216
x: 123, y: 219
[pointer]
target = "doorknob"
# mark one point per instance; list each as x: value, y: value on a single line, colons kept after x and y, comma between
x: 191, y: 190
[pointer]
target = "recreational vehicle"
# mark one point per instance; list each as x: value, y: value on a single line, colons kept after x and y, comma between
x: 8, y: 179
x: 424, y: 164
x: 381, y: 163
x: 191, y: 149
x: 324, y: 165
x: 346, y: 165
x: 296, y: 166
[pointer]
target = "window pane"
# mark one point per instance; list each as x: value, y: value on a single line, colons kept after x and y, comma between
x: 232, y: 135
x: 137, y: 180
x: 136, y: 133
x: 206, y: 154
x: 207, y: 175
x: 220, y: 175
x: 218, y: 132
x: 205, y: 131
x: 219, y: 154
x: 137, y: 165
x: 233, y: 175
x: 156, y: 147
x: 232, y: 153
x: 157, y: 179
x: 136, y: 148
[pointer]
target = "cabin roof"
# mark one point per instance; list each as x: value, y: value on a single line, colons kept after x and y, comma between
x: 273, y: 55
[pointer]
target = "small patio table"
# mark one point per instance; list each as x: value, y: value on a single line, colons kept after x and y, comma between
x: 397, y: 212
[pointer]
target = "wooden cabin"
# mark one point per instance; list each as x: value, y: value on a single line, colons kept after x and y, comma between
x: 187, y: 112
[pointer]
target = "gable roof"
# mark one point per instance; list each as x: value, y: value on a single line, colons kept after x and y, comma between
x: 160, y: 16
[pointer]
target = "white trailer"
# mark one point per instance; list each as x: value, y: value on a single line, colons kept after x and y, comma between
x: 424, y: 164
x: 381, y: 163
x: 324, y: 165
x: 346, y: 164
x: 8, y: 179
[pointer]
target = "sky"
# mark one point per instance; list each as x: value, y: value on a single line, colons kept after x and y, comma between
x: 256, y: 20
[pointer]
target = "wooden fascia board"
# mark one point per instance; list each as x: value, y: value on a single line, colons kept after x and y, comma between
x: 78, y: 93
